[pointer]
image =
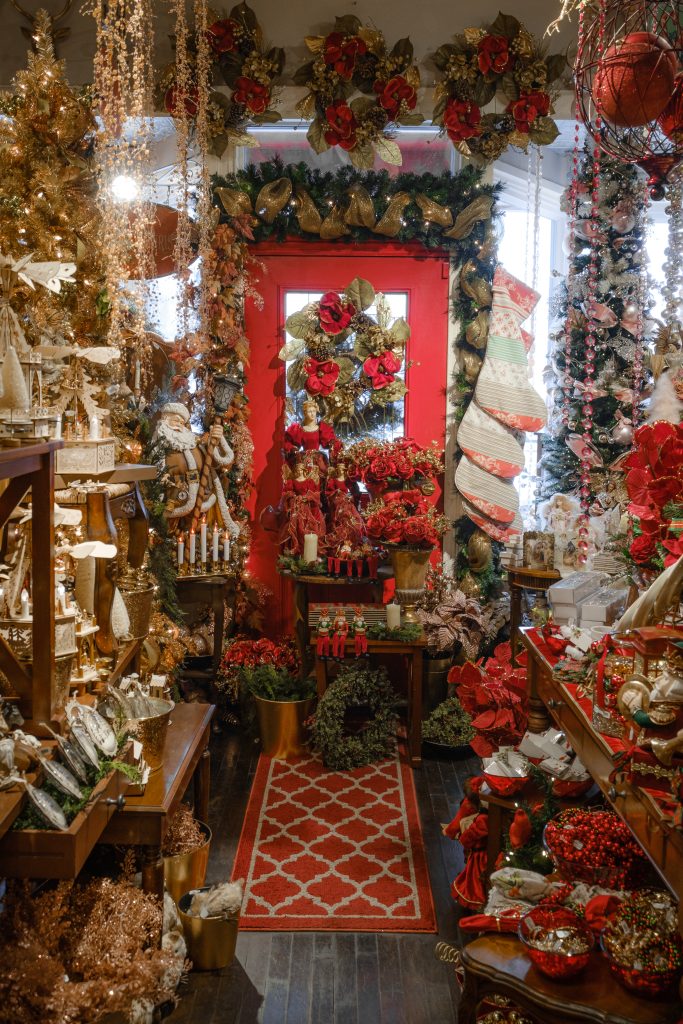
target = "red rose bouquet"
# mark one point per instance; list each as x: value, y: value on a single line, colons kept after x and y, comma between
x: 654, y: 482
x: 404, y: 518
x: 403, y: 460
x: 495, y: 696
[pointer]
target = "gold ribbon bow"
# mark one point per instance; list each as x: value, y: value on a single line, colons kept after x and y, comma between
x: 473, y: 286
x: 306, y: 212
x: 478, y: 209
x: 390, y: 224
x: 477, y: 332
x: 273, y: 198
x: 434, y: 212
x: 361, y: 209
x: 234, y: 201
x: 333, y: 226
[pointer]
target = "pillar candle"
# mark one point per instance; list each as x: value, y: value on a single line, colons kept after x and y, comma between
x: 202, y: 536
x: 393, y: 616
x: 215, y: 542
x: 24, y: 604
x: 226, y: 546
x: 94, y: 432
x: 136, y: 384
x: 310, y: 547
x: 181, y: 550
x: 193, y: 547
x: 61, y: 599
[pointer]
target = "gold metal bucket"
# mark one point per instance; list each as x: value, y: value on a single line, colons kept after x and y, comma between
x: 139, y: 607
x: 410, y: 571
x: 186, y: 871
x: 281, y: 725
x: 211, y: 941
x: 152, y: 731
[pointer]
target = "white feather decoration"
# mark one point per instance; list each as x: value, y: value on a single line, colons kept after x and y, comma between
x: 664, y: 405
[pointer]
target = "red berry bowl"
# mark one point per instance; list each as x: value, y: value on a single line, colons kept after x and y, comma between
x: 558, y: 942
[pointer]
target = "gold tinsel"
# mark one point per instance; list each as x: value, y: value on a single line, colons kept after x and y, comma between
x: 183, y: 833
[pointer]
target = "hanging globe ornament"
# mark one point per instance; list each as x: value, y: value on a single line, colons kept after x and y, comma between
x: 628, y: 76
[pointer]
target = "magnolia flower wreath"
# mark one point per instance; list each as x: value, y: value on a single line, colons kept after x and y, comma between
x: 344, y: 358
x: 479, y: 64
x: 239, y: 60
x: 355, y: 59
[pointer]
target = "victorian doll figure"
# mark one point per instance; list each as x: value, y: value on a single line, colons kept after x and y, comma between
x: 341, y: 629
x: 311, y: 436
x: 301, y: 500
x: 345, y: 522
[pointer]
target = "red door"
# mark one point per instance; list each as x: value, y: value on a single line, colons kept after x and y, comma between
x: 311, y: 267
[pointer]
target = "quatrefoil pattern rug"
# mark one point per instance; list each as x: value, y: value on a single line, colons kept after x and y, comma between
x: 337, y: 851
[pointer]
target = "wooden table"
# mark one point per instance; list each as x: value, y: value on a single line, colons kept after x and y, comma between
x: 498, y: 964
x: 519, y: 579
x: 142, y: 822
x: 413, y: 652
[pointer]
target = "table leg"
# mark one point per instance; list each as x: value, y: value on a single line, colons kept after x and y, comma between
x: 415, y: 709
x: 301, y: 625
x: 515, y: 617
x: 469, y: 999
x: 153, y: 871
x: 539, y: 719
x: 321, y: 676
x: 202, y: 785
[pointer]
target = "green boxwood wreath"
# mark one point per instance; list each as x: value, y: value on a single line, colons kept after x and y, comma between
x: 355, y: 685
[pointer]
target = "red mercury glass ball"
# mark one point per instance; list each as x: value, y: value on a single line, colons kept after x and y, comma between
x: 635, y: 79
x: 671, y: 119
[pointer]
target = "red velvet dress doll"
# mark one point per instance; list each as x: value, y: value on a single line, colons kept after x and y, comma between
x: 345, y: 523
x: 311, y: 436
x: 301, y: 499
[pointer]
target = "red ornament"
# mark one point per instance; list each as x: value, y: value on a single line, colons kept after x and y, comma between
x: 671, y: 120
x: 635, y: 79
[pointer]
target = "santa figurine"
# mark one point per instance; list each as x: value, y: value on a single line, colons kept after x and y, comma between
x: 311, y: 435
x: 340, y: 632
x: 323, y: 629
x: 184, y: 454
x: 359, y: 633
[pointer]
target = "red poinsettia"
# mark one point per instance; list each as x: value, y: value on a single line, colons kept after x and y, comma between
x: 335, y: 313
x: 252, y: 94
x: 342, y: 126
x: 493, y: 55
x: 340, y: 52
x: 462, y: 120
x: 382, y: 369
x: 494, y: 697
x: 222, y: 35
x: 528, y: 108
x: 172, y: 101
x: 391, y: 94
x: 321, y: 376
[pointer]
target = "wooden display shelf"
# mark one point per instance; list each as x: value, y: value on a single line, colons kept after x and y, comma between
x: 49, y: 853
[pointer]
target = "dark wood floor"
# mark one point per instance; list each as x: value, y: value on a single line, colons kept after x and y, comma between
x: 331, y: 977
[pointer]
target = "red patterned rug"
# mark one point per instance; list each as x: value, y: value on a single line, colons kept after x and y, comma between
x: 333, y: 851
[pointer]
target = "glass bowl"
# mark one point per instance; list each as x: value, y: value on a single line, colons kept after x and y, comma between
x: 641, y: 981
x: 555, y: 963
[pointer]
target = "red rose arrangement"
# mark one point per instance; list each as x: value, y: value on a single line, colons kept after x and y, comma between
x: 654, y: 482
x: 357, y: 88
x: 405, y: 518
x: 377, y: 462
x: 240, y: 62
x: 245, y: 653
x: 494, y: 694
x: 479, y: 63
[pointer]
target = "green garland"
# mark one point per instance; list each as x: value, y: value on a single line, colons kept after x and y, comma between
x: 407, y: 634
x: 355, y: 685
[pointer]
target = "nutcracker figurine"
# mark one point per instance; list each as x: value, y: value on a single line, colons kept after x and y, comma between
x: 360, y: 633
x: 341, y: 629
x: 322, y: 644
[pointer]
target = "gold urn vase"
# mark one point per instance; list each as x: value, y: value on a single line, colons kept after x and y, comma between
x: 282, y: 726
x: 410, y: 570
x: 186, y: 871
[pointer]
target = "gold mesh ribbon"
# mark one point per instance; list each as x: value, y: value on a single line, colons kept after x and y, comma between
x: 471, y: 364
x: 474, y: 287
x: 234, y: 201
x: 478, y: 209
x: 306, y: 212
x: 390, y: 224
x: 273, y: 198
x: 434, y: 212
x: 361, y: 209
x: 333, y: 226
x: 477, y: 332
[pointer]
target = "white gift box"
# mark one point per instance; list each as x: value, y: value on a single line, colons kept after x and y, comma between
x: 507, y: 764
x: 574, y: 588
x: 541, y: 745
x: 605, y: 606
x: 86, y: 456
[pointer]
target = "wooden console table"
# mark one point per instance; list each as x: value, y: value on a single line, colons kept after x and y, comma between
x: 142, y: 822
x: 413, y: 653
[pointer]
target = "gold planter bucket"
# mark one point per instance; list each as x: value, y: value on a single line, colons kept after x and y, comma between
x: 152, y: 731
x: 281, y: 726
x: 139, y: 607
x: 186, y: 871
x: 410, y: 571
x: 211, y: 941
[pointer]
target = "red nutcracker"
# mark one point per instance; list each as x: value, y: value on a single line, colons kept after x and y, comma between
x: 341, y: 630
x: 324, y: 627
x: 359, y: 633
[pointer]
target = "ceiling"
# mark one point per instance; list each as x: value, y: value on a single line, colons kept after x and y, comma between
x: 286, y: 24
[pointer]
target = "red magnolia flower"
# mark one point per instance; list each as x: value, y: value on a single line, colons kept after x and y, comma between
x: 493, y: 55
x: 642, y: 549
x: 381, y: 369
x: 335, y: 314
x: 322, y: 376
x: 252, y: 94
x: 222, y: 35
x: 391, y: 94
x: 172, y: 101
x: 342, y: 126
x: 340, y: 52
x: 527, y: 108
x: 462, y: 120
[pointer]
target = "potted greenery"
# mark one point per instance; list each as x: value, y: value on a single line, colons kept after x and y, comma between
x: 283, y: 702
x: 448, y: 730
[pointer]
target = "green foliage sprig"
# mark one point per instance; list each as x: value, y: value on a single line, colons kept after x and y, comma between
x: 272, y: 683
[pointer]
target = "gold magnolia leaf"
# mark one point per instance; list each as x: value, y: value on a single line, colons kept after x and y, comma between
x: 478, y: 209
x: 373, y: 39
x: 315, y: 43
x: 388, y: 151
x: 305, y: 108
